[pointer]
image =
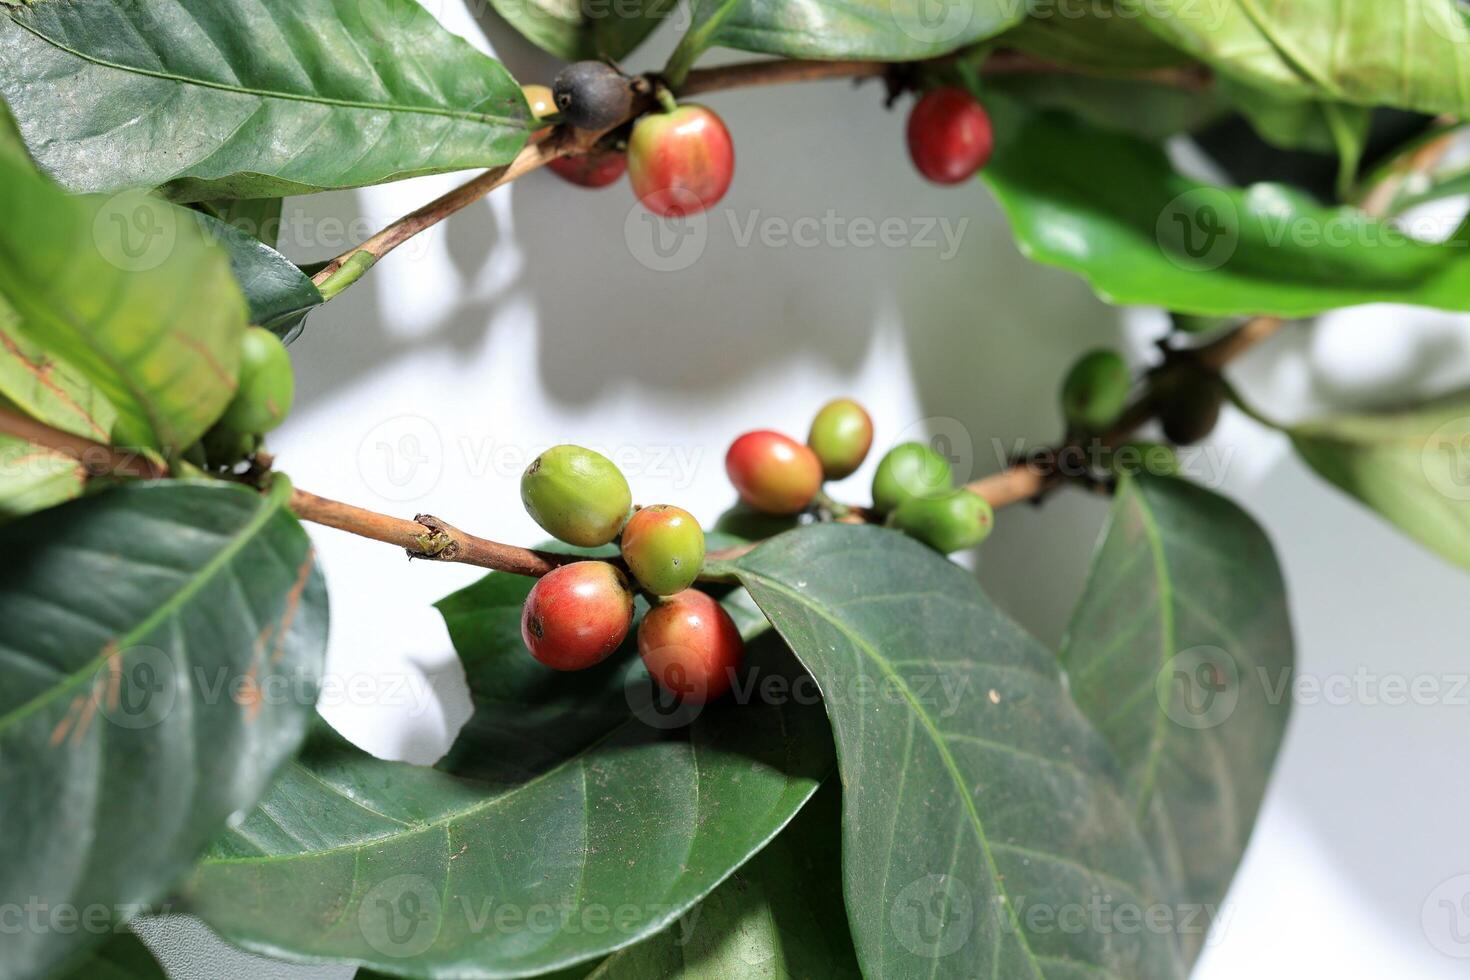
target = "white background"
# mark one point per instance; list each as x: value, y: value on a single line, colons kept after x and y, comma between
x: 528, y: 321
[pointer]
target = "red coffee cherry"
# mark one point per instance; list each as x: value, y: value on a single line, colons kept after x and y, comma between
x: 949, y: 135
x: 691, y: 646
x: 577, y: 615
x: 680, y: 162
x: 596, y: 169
x: 773, y: 474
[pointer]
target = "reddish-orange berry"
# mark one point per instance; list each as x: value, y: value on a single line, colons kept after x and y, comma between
x: 949, y: 135
x: 681, y: 162
x: 577, y: 615
x: 773, y: 473
x: 691, y: 646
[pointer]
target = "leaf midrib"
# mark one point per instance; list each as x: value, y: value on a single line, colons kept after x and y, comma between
x: 272, y: 503
x: 459, y: 114
x: 951, y: 766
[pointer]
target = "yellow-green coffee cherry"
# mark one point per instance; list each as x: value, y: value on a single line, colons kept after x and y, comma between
x: 664, y: 548
x: 1096, y: 391
x: 577, y: 495
x: 1141, y: 456
x: 841, y: 435
x: 266, y: 385
x: 910, y: 469
x: 953, y: 522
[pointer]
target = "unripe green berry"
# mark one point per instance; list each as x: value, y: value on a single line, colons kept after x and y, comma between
x: 592, y: 95
x: 841, y: 435
x: 1095, y: 392
x: 664, y: 548
x: 910, y: 469
x: 577, y: 495
x: 953, y: 522
x: 1142, y: 456
x: 266, y: 386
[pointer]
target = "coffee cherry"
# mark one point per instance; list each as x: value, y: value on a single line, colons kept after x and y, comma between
x: 1141, y: 456
x: 955, y: 521
x: 576, y: 615
x: 949, y: 135
x: 1189, y: 406
x: 664, y: 548
x: 542, y: 104
x: 577, y: 495
x: 595, y: 169
x: 680, y: 163
x: 841, y: 435
x: 772, y: 473
x: 910, y: 469
x: 592, y: 95
x: 1095, y: 391
x: 691, y: 646
x: 266, y: 385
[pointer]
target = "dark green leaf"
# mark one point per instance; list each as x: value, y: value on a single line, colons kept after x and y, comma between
x: 279, y: 294
x: 1412, y: 56
x: 261, y: 99
x: 1146, y: 109
x: 1100, y: 35
x: 1113, y: 209
x: 974, y: 791
x: 1180, y: 652
x: 160, y: 646
x: 127, y: 291
x: 575, y: 30
x: 123, y: 957
x: 258, y: 217
x: 563, y: 824
x: 1411, y: 466
x: 888, y: 30
x: 780, y: 915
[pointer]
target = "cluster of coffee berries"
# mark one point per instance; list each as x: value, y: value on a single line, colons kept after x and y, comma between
x: 949, y: 135
x: 265, y: 389
x: 680, y: 159
x: 579, y: 613
x: 913, y: 488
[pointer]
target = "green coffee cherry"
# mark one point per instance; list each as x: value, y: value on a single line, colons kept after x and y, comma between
x: 841, y: 435
x: 1142, y: 456
x: 577, y: 495
x: 224, y: 446
x: 664, y: 548
x: 1096, y: 391
x: 910, y: 469
x: 953, y: 522
x: 266, y: 385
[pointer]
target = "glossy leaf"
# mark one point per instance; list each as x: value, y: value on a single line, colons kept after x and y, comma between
x: 278, y: 293
x: 577, y: 30
x: 890, y: 30
x: 1411, y: 466
x: 1102, y: 35
x: 123, y: 957
x: 128, y: 292
x: 780, y: 915
x: 247, y: 100
x: 562, y: 825
x: 1180, y: 652
x: 973, y: 788
x: 160, y: 648
x: 1408, y: 55
x: 1112, y: 209
x: 1145, y: 109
